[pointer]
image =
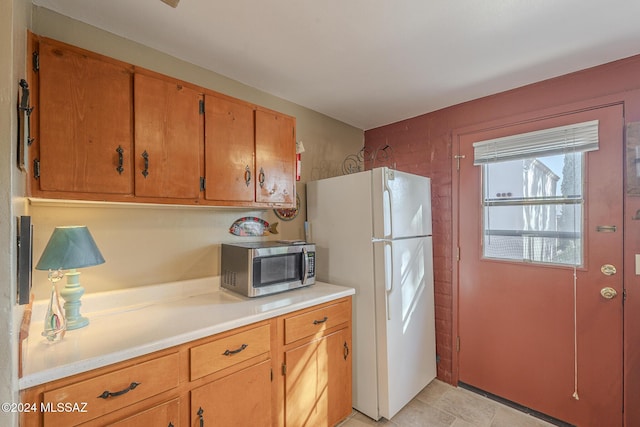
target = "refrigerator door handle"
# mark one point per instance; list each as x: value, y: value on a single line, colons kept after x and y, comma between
x: 388, y: 279
x: 388, y: 203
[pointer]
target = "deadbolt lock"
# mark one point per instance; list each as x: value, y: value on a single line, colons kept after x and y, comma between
x: 608, y: 270
x: 608, y: 293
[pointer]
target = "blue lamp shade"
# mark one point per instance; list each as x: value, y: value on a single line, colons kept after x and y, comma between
x: 70, y: 247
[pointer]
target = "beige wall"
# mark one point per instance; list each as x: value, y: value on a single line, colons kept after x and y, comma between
x: 145, y: 245
x: 14, y: 21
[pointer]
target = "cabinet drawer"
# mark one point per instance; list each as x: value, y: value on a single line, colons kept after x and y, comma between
x: 108, y: 392
x: 312, y: 322
x: 165, y: 414
x: 224, y: 352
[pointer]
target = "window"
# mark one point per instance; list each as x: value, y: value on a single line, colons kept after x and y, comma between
x: 533, y: 194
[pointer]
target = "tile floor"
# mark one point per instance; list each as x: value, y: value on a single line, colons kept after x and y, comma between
x: 442, y: 405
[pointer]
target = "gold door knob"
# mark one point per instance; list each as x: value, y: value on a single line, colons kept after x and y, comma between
x: 608, y: 293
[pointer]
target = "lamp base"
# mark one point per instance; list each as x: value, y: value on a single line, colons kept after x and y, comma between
x: 78, y: 323
x: 71, y: 294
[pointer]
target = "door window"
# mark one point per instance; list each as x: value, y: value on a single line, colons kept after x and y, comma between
x: 533, y: 209
x: 533, y: 194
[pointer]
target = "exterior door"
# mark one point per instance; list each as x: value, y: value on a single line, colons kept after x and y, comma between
x: 538, y: 321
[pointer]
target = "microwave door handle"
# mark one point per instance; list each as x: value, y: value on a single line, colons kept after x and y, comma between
x: 305, y: 265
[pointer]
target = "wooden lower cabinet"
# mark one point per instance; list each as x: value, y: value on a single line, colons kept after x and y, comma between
x: 249, y: 376
x: 318, y: 381
x: 240, y: 399
x: 316, y: 365
x: 163, y: 415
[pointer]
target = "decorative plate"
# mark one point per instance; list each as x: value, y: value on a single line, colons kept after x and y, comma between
x: 288, y: 214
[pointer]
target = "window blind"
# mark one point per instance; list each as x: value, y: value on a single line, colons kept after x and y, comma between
x: 579, y: 137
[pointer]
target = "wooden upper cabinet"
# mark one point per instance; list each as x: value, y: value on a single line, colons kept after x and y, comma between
x: 229, y: 145
x: 85, y: 119
x: 107, y: 130
x: 275, y: 158
x: 168, y: 138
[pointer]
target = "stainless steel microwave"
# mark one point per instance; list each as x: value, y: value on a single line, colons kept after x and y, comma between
x: 263, y: 268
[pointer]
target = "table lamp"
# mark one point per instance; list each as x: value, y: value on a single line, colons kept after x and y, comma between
x: 71, y: 247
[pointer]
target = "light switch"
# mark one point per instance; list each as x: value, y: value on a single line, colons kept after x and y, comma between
x: 637, y: 264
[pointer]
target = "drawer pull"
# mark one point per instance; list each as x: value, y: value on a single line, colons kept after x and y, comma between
x: 317, y: 322
x: 236, y: 351
x: 107, y: 394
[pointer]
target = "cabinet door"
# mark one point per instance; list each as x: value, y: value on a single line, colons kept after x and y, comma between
x: 240, y: 399
x: 86, y: 131
x: 165, y: 415
x: 168, y: 139
x: 275, y: 158
x: 318, y: 381
x: 229, y: 144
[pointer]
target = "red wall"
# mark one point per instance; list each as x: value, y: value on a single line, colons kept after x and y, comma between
x: 423, y: 145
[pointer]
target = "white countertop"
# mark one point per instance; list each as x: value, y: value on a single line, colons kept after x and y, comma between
x: 134, y: 322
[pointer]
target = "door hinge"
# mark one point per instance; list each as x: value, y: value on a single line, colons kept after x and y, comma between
x: 36, y: 168
x: 624, y: 295
x: 203, y: 183
x: 35, y: 61
x: 284, y: 369
x: 458, y: 157
x: 271, y: 371
x: 458, y: 253
x: 458, y: 344
x: 201, y: 106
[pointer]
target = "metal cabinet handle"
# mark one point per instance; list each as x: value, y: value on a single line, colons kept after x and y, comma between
x: 317, y: 322
x: 200, y: 416
x: 145, y: 156
x: 120, y: 152
x: 107, y: 394
x: 346, y: 350
x: 261, y: 178
x: 247, y: 176
x: 236, y: 351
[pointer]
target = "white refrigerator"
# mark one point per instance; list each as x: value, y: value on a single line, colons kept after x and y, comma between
x: 372, y: 232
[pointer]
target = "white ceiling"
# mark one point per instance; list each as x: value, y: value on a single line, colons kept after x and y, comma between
x: 373, y: 62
